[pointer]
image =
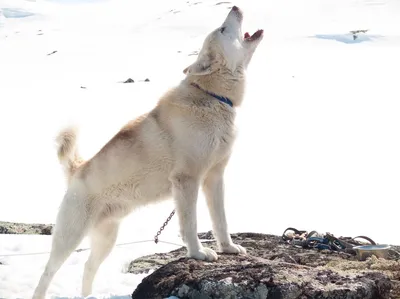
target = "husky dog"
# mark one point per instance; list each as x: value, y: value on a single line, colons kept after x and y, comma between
x: 183, y: 144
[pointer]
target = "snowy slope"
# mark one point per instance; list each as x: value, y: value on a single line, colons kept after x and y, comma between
x: 318, y: 144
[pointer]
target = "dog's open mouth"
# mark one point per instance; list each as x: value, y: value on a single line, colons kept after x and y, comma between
x: 256, y: 35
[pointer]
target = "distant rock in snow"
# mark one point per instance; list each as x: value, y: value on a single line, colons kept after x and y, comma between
x: 129, y: 80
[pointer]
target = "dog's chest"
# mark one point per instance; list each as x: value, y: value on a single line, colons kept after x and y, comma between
x: 217, y: 138
x: 204, y: 134
x: 224, y: 136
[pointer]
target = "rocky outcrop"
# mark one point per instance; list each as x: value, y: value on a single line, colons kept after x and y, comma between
x: 25, y: 228
x: 272, y: 269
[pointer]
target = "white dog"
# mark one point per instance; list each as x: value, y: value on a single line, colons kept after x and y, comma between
x: 183, y: 143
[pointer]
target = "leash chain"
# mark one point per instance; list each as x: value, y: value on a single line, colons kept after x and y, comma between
x: 163, y: 226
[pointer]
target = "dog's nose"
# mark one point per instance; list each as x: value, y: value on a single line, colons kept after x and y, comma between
x: 235, y: 8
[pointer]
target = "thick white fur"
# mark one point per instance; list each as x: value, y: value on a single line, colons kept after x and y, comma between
x: 183, y: 144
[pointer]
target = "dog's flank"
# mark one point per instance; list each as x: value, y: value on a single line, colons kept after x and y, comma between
x: 67, y: 151
x: 179, y: 147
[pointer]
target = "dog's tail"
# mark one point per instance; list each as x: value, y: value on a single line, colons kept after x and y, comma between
x: 67, y: 151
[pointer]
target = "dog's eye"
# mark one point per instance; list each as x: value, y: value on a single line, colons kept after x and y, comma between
x: 222, y: 29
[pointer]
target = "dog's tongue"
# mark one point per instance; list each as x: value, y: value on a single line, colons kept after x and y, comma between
x: 246, y: 35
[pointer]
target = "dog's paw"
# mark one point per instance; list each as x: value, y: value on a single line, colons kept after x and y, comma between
x: 233, y: 248
x: 204, y: 254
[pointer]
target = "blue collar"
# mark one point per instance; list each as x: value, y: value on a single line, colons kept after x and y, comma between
x: 219, y: 98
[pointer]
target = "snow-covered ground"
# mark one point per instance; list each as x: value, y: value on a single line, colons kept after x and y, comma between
x: 319, y: 131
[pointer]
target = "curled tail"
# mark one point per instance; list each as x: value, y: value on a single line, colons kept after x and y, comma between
x: 67, y: 151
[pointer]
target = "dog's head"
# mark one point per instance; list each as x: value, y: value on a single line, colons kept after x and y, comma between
x: 226, y: 48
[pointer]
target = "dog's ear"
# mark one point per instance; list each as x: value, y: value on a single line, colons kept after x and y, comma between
x: 204, y: 65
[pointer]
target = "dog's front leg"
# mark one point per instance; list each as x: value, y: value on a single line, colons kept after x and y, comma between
x: 185, y: 190
x: 213, y: 187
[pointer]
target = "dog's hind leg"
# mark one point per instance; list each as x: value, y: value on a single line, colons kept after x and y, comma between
x: 71, y: 227
x: 103, y: 237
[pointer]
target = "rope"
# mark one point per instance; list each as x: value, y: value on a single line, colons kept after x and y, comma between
x: 84, y: 249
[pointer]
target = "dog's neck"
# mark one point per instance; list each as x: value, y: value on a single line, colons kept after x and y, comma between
x: 219, y: 98
x: 221, y: 86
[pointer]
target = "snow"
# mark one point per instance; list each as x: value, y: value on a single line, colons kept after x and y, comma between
x: 19, y: 275
x: 318, y: 144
